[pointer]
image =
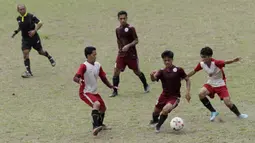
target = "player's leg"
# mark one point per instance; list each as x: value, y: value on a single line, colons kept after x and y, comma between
x: 26, y: 47
x: 119, y: 67
x: 224, y: 94
x: 207, y: 90
x: 134, y: 65
x: 171, y: 104
x: 102, y: 110
x: 93, y: 102
x: 155, y: 116
x: 38, y: 47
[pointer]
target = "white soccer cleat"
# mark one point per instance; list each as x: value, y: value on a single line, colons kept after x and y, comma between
x: 243, y: 116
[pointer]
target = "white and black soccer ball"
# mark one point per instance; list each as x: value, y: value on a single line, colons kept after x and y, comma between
x: 177, y: 123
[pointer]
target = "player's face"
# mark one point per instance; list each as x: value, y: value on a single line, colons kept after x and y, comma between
x: 92, y: 57
x: 123, y: 19
x: 205, y: 58
x: 21, y: 10
x: 168, y: 61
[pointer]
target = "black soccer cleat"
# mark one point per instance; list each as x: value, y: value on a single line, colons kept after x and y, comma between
x: 52, y: 62
x: 114, y: 93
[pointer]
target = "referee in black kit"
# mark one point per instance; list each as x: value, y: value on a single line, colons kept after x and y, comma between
x: 29, y: 24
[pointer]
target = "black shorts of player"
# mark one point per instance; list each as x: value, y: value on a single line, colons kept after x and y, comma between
x: 29, y: 42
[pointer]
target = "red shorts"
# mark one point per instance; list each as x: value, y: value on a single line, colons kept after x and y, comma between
x: 165, y: 99
x: 90, y: 99
x: 122, y: 62
x: 221, y: 91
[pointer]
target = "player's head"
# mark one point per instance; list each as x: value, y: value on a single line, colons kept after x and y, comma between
x: 122, y: 17
x: 90, y: 53
x: 21, y: 8
x: 167, y: 57
x: 206, y: 54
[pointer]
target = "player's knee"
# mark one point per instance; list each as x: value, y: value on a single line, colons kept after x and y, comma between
x: 96, y: 105
x: 41, y: 52
x: 116, y: 72
x: 202, y: 95
x: 228, y: 102
x: 103, y: 109
x: 167, y: 109
x: 137, y: 72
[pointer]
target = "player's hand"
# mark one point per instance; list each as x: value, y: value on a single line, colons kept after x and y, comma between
x: 125, y: 48
x: 13, y: 35
x: 188, y: 96
x: 81, y: 81
x: 237, y: 59
x: 115, y: 88
x: 31, y: 33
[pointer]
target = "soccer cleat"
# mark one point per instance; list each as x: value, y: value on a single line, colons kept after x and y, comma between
x: 147, y: 88
x: 157, y: 129
x: 27, y: 74
x: 52, y: 62
x: 213, y: 115
x: 114, y: 93
x: 104, y: 127
x: 153, y: 123
x: 243, y: 116
x: 96, y: 130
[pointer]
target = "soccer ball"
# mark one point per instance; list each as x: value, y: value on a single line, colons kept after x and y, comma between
x: 177, y: 123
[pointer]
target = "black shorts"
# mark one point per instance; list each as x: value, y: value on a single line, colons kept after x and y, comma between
x: 29, y: 42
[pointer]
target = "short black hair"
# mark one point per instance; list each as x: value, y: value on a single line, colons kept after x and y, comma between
x: 88, y: 50
x: 122, y: 13
x: 168, y: 54
x: 206, y: 51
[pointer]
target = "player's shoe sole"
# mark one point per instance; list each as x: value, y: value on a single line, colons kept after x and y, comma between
x: 52, y: 62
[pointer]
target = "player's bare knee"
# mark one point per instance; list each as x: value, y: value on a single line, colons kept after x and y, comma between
x: 137, y: 72
x: 228, y: 102
x: 202, y: 95
x: 116, y: 72
x: 96, y: 105
x: 167, y: 109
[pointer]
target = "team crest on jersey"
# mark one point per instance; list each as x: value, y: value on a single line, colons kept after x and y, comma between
x: 126, y: 29
x: 175, y: 70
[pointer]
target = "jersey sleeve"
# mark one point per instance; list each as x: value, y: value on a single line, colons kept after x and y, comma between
x: 102, y: 74
x: 134, y: 32
x: 35, y: 19
x: 220, y: 63
x: 81, y: 70
x: 182, y: 73
x: 198, y: 67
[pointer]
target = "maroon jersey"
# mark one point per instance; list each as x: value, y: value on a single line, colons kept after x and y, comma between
x: 125, y: 35
x: 171, y: 80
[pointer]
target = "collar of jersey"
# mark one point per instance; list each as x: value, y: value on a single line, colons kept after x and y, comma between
x: 22, y: 17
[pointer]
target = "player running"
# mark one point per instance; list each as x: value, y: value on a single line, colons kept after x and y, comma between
x: 216, y: 82
x: 171, y: 77
x: 87, y: 76
x: 127, y: 55
x: 29, y: 24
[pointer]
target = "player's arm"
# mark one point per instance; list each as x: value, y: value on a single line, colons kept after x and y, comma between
x: 38, y: 22
x: 134, y: 42
x: 184, y: 76
x: 104, y: 79
x: 15, y: 32
x: 77, y: 77
x: 155, y: 75
x: 232, y: 61
x: 196, y: 69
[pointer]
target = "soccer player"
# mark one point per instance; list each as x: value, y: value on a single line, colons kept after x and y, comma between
x: 127, y: 55
x: 29, y: 24
x: 171, y: 77
x: 216, y: 82
x: 87, y: 76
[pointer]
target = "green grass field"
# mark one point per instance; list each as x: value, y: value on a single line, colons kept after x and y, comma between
x: 47, y: 108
